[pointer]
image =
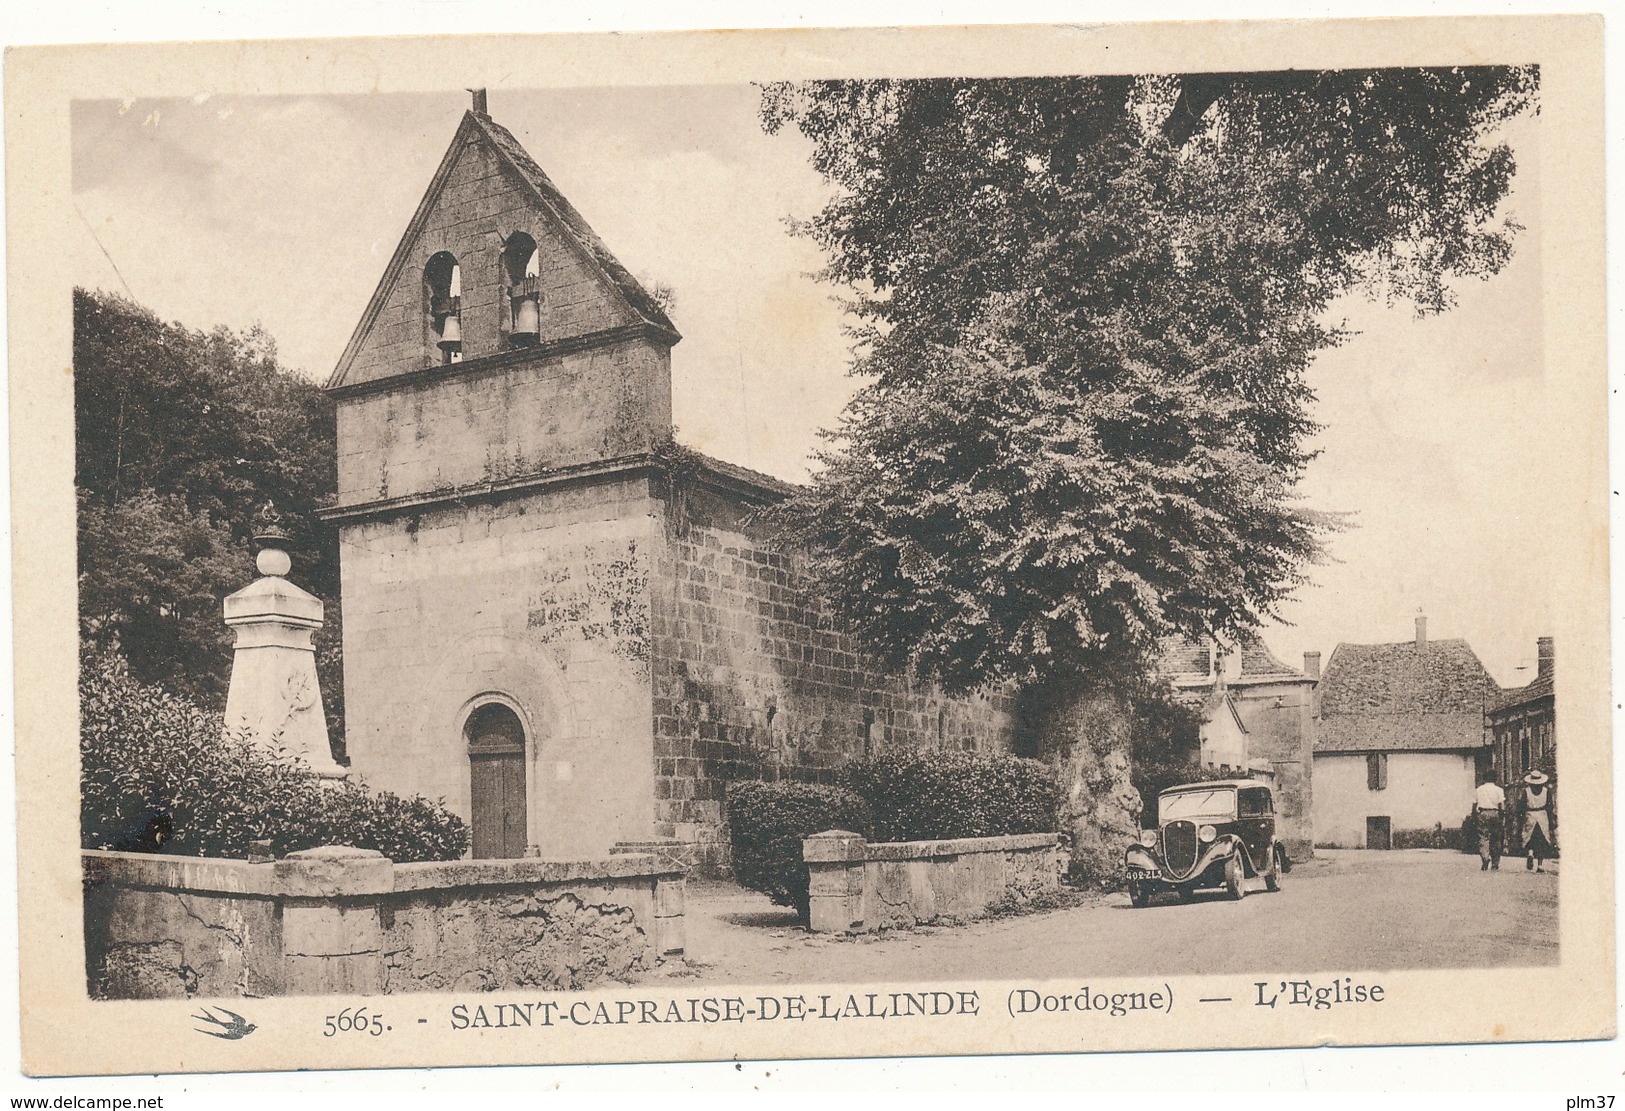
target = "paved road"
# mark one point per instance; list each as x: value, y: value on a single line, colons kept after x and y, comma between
x: 1343, y: 911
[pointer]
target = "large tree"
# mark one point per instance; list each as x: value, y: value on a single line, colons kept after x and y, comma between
x: 1084, y: 308
x: 181, y: 436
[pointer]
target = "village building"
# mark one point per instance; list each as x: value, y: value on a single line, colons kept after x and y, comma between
x: 1400, y: 739
x: 1257, y: 720
x: 1523, y: 722
x: 555, y: 618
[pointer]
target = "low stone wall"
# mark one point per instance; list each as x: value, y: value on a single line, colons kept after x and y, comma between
x: 855, y: 886
x: 348, y: 920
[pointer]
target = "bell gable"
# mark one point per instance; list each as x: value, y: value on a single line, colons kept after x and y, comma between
x: 494, y: 263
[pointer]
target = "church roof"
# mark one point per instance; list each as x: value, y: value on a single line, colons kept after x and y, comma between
x: 525, y: 166
x: 1403, y: 697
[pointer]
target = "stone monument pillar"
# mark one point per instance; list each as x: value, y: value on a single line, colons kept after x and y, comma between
x: 274, y: 695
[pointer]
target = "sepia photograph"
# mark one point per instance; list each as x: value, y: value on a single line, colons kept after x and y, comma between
x: 584, y: 561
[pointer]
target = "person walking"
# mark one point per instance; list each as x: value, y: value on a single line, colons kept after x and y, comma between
x: 1489, y: 802
x: 1538, y: 843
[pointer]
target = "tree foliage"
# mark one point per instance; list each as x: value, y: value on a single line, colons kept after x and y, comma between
x: 181, y: 437
x: 1084, y: 308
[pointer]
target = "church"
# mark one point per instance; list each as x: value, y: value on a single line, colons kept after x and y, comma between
x: 556, y: 618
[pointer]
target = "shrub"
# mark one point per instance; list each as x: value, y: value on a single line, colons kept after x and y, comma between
x: 766, y: 823
x: 159, y: 774
x: 929, y: 796
x: 1436, y: 838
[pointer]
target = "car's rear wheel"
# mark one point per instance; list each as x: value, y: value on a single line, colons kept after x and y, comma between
x: 1272, y: 878
x: 1235, y: 878
x: 1139, y: 893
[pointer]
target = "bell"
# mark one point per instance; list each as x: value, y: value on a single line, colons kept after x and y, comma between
x: 451, y: 334
x: 527, y: 321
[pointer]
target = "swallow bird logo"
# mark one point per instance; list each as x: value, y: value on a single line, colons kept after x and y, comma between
x: 237, y: 1027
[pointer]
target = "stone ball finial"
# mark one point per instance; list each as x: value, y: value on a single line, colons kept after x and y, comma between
x: 273, y: 561
x: 272, y: 540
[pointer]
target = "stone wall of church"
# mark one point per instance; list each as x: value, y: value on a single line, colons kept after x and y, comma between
x: 496, y: 423
x: 753, y: 679
x: 539, y: 600
x: 480, y: 205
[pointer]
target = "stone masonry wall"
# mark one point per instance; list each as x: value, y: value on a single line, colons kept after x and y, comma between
x: 540, y: 601
x: 1280, y: 730
x: 855, y: 886
x: 497, y: 423
x: 480, y: 205
x: 754, y: 680
x: 336, y: 920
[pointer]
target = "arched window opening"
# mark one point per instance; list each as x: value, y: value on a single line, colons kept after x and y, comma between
x: 496, y: 757
x: 521, y: 273
x: 443, y: 286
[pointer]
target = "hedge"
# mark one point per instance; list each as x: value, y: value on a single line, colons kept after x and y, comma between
x: 766, y: 822
x: 158, y: 774
x: 931, y: 796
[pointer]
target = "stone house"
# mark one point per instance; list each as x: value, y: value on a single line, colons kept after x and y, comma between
x: 1258, y: 719
x: 1523, y: 722
x: 557, y: 619
x: 1399, y: 742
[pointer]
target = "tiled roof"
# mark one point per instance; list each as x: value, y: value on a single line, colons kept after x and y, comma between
x: 523, y: 164
x: 1186, y: 656
x: 1518, y: 696
x: 1401, y: 697
x: 766, y: 483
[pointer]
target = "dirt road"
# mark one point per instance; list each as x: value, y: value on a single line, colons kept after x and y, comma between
x: 1343, y: 911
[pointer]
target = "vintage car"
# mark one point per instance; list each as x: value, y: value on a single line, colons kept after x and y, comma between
x: 1217, y: 834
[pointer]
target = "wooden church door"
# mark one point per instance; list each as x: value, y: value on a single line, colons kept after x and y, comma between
x: 496, y: 758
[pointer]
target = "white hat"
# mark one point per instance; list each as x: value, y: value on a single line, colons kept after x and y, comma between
x: 1536, y: 778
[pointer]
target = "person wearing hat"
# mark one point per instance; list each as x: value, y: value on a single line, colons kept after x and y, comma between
x: 1538, y: 843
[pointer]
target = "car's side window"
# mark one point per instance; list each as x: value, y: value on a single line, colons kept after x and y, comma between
x: 1255, y: 804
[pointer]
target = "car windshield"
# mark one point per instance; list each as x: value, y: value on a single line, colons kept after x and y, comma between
x: 1217, y: 803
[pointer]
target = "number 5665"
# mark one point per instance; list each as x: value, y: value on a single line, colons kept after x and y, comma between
x: 353, y: 1020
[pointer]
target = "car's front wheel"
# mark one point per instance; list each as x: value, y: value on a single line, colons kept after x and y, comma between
x: 1139, y: 893
x: 1235, y: 878
x: 1272, y: 878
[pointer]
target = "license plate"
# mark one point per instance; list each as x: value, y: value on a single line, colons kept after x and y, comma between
x: 1141, y: 874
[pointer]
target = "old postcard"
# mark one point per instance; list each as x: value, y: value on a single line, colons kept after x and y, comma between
x: 810, y: 544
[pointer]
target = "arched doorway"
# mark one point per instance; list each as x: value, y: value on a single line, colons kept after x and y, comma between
x: 496, y: 775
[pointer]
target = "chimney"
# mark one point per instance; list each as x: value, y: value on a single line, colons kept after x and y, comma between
x: 479, y: 102
x: 1311, y: 664
x: 1545, y: 657
x: 1421, y: 631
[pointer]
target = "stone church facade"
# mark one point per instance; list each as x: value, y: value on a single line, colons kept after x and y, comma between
x: 555, y: 618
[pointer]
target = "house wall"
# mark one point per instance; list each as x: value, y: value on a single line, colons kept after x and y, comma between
x: 540, y: 600
x: 1424, y: 789
x: 753, y: 680
x: 1224, y: 745
x: 1533, y: 722
x: 1283, y: 735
